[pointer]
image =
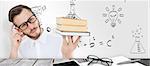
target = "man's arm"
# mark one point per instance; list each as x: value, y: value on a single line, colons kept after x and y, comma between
x: 13, y: 53
x: 16, y: 40
x: 68, y: 47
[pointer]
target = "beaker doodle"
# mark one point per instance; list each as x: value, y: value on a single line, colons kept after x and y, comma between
x: 137, y: 47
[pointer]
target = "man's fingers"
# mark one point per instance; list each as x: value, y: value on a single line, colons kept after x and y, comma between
x: 70, y: 40
x: 21, y: 33
x: 64, y: 37
x: 64, y: 40
x: 17, y: 31
x: 77, y: 41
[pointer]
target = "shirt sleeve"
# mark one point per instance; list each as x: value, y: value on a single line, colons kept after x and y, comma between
x: 19, y: 54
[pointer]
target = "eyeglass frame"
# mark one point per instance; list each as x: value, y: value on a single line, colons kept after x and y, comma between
x: 99, y: 59
x: 28, y: 21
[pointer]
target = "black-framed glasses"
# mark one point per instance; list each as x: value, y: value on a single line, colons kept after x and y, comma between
x: 94, y: 60
x: 31, y: 20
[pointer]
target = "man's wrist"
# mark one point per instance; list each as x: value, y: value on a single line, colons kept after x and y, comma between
x: 14, y: 52
x: 14, y: 47
x: 67, y: 56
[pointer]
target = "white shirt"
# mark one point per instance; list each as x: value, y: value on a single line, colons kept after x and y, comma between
x: 48, y: 45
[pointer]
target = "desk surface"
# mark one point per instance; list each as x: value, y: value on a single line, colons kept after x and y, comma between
x: 44, y: 62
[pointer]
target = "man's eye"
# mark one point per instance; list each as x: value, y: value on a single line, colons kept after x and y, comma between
x: 32, y: 20
x: 23, y: 25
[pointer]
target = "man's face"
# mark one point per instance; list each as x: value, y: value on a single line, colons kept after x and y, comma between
x: 28, y: 24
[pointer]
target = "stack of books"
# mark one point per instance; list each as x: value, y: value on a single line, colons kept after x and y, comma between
x: 65, y: 24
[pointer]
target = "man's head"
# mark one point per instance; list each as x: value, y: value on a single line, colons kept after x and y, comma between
x: 25, y: 20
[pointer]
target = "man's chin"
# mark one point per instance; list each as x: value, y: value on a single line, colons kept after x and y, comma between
x: 34, y: 37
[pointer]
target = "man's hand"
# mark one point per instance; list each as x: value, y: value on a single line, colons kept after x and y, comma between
x: 16, y: 39
x: 68, y: 47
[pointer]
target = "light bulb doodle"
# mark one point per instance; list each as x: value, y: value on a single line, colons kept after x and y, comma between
x: 113, y: 16
x: 137, y: 47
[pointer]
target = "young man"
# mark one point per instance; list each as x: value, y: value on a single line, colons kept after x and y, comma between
x: 29, y: 40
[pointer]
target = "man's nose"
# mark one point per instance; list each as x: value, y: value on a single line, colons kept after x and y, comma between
x: 30, y: 26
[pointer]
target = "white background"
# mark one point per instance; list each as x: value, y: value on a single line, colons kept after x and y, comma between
x: 135, y: 12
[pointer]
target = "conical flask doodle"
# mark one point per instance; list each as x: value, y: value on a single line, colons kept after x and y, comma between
x: 137, y: 48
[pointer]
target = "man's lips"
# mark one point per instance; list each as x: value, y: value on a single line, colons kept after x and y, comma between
x: 33, y: 30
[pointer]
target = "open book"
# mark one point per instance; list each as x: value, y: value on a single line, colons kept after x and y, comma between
x: 116, y: 60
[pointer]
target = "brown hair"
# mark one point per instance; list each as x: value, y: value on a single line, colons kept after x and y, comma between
x: 16, y: 11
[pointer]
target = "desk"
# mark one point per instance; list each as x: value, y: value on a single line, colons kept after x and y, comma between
x: 44, y: 62
x: 144, y: 61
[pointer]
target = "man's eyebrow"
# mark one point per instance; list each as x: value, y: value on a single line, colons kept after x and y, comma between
x: 24, y: 22
x: 21, y: 24
x: 29, y: 18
